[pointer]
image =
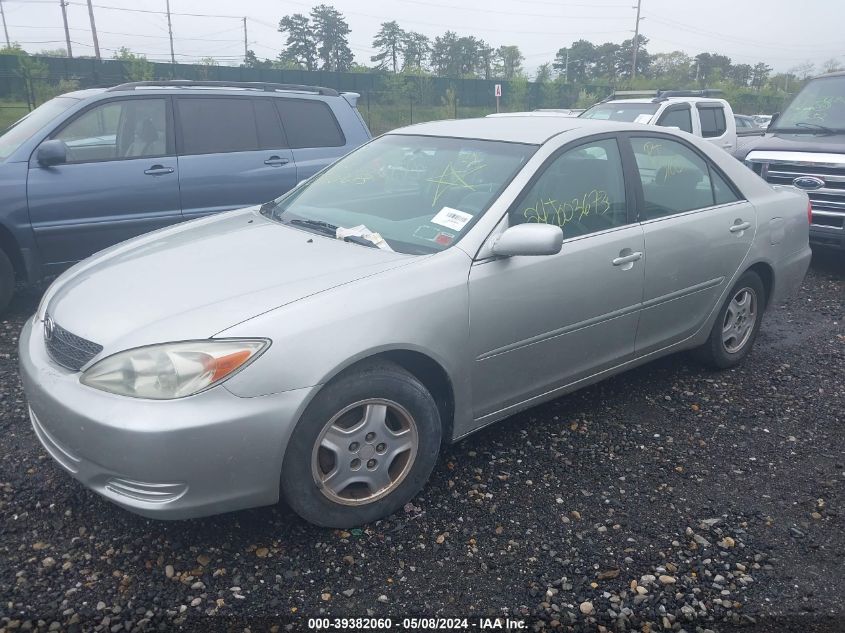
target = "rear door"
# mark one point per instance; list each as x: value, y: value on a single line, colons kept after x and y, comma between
x: 120, y: 179
x: 232, y: 153
x: 314, y: 133
x: 698, y: 230
x: 716, y: 124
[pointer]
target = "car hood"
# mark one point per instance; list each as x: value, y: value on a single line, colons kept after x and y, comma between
x: 779, y: 142
x: 194, y: 280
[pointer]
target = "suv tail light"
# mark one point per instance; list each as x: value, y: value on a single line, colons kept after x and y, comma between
x: 809, y: 211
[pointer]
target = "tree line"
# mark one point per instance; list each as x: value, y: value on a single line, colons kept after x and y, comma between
x: 319, y: 41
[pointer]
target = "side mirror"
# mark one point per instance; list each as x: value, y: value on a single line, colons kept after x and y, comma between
x: 529, y: 239
x: 52, y: 152
x: 774, y: 118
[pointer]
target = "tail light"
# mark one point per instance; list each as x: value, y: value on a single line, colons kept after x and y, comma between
x: 809, y: 211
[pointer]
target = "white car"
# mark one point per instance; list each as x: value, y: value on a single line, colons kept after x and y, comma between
x: 704, y: 116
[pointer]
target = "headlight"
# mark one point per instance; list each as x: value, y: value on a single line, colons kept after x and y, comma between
x: 172, y: 370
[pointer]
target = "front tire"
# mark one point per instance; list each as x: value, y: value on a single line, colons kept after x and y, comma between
x: 363, y: 448
x: 737, y: 324
x: 7, y: 281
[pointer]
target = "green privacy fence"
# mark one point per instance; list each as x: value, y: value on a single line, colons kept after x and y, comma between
x: 387, y: 100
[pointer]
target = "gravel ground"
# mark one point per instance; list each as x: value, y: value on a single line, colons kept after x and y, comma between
x: 668, y: 498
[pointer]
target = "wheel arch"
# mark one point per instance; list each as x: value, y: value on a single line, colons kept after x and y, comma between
x: 9, y: 245
x: 424, y: 368
x: 766, y: 273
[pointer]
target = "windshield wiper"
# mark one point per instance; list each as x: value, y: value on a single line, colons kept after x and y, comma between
x: 363, y: 241
x: 804, y: 125
x: 317, y: 225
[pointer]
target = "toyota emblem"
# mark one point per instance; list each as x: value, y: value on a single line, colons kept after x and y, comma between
x: 49, y: 328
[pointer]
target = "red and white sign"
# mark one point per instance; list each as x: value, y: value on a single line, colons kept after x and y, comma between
x: 498, y: 90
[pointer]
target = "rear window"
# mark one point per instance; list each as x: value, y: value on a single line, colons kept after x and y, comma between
x: 712, y: 121
x: 309, y: 123
x: 630, y: 112
x: 214, y: 126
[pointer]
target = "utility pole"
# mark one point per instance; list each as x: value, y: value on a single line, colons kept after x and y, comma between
x: 170, y: 32
x: 566, y: 68
x: 63, y: 4
x: 94, y: 30
x: 5, y: 30
x: 246, y: 45
x: 636, y: 41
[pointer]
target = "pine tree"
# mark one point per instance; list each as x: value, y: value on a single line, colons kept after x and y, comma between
x: 390, y: 42
x: 330, y: 31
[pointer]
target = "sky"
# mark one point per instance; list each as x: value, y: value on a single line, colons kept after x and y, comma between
x: 782, y: 33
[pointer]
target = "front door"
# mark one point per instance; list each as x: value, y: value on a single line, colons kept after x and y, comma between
x: 120, y: 180
x: 232, y: 153
x: 698, y: 230
x: 537, y: 323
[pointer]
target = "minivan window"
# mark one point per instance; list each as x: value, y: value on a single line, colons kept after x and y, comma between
x: 679, y: 118
x: 216, y: 126
x: 270, y: 134
x: 127, y: 128
x: 309, y: 123
x: 421, y: 194
x: 713, y: 122
x: 23, y: 129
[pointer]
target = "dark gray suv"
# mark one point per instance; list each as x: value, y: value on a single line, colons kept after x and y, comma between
x: 95, y: 167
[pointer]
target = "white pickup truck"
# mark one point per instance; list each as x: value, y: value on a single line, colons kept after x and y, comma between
x: 692, y: 111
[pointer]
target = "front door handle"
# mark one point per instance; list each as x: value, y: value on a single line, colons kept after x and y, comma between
x: 158, y: 170
x: 740, y: 226
x: 276, y: 161
x: 628, y: 259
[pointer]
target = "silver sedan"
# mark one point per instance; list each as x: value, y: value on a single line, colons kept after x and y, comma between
x: 324, y: 346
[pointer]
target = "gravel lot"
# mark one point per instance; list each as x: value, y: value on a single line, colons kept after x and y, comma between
x: 669, y: 498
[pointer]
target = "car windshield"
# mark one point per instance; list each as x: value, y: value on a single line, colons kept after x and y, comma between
x: 20, y: 131
x: 629, y: 112
x: 421, y: 194
x: 819, y: 106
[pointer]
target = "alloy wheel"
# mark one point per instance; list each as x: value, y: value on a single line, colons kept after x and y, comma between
x: 740, y: 319
x: 364, y: 451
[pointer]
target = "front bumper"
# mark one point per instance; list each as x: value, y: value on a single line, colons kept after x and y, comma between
x: 174, y: 459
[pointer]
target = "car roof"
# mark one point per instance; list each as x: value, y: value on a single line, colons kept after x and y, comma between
x: 534, y: 130
x: 557, y: 113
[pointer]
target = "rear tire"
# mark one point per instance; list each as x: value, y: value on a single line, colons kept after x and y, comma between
x: 364, y: 447
x: 7, y: 281
x: 737, y: 324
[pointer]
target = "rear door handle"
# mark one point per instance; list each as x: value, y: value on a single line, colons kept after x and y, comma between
x: 742, y: 226
x: 628, y: 259
x: 276, y: 161
x: 158, y: 170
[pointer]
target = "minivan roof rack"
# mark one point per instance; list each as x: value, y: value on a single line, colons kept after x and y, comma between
x: 248, y: 85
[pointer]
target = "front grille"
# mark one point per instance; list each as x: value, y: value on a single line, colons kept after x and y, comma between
x: 66, y: 348
x: 782, y: 168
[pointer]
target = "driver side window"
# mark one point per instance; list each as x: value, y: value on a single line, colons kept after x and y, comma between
x: 131, y: 128
x: 582, y: 191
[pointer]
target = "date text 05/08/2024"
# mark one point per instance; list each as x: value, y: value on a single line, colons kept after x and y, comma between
x: 416, y: 624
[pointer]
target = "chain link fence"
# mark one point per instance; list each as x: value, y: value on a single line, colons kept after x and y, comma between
x: 387, y: 100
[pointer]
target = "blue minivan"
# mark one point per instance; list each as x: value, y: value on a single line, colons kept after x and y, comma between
x: 91, y: 168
